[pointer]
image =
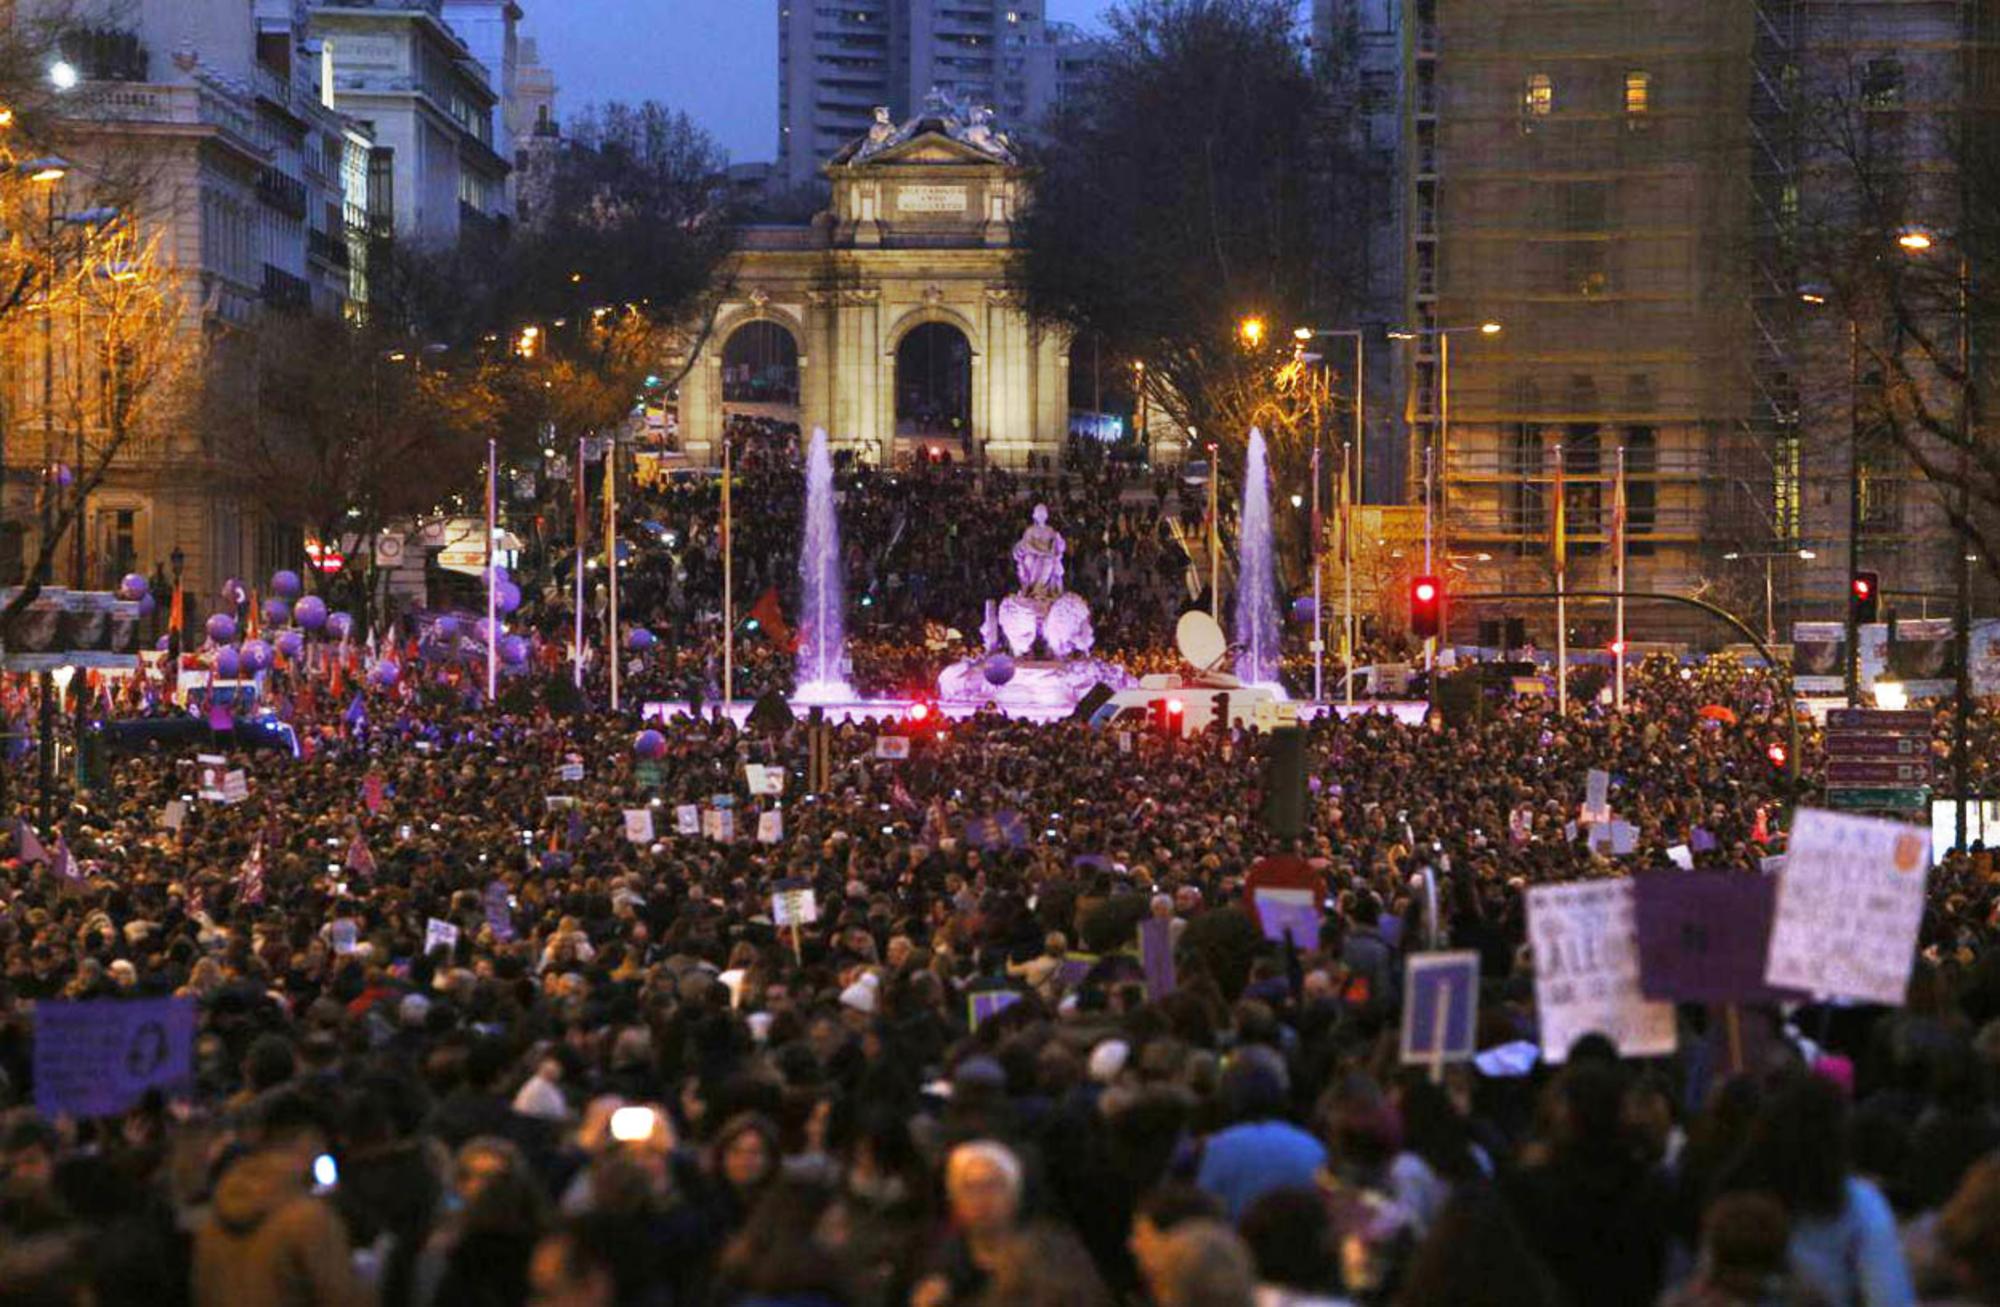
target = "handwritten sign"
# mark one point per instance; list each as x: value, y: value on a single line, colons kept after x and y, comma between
x: 99, y: 1058
x: 1850, y: 900
x: 1586, y: 950
x: 639, y: 825
x: 440, y: 935
x: 794, y: 907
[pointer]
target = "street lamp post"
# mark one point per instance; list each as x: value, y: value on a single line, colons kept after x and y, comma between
x: 1917, y: 242
x: 1437, y: 447
x: 1351, y: 493
x: 1770, y: 586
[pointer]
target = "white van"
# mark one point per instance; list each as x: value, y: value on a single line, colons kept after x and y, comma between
x: 1254, y: 706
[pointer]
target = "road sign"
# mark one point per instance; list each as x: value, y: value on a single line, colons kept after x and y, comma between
x: 1897, y: 799
x: 1842, y: 773
x: 1877, y: 719
x: 1860, y: 744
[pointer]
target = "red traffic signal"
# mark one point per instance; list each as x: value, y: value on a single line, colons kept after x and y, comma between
x: 920, y: 711
x: 1426, y: 606
x: 1864, y: 591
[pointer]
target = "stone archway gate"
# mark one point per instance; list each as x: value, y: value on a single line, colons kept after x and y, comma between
x: 920, y: 230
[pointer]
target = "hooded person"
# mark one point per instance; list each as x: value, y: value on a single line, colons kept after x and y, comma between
x: 268, y: 1241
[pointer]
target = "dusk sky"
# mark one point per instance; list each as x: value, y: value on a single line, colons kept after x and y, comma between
x: 717, y: 59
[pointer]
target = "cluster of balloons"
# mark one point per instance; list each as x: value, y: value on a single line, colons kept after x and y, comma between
x: 287, y: 604
x: 133, y: 588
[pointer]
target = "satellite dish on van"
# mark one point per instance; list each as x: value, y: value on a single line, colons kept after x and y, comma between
x: 1200, y: 640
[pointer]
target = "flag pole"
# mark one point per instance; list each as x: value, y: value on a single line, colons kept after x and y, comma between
x: 1618, y: 509
x: 582, y: 533
x: 1347, y: 565
x: 611, y: 560
x: 492, y: 555
x: 728, y: 587
x: 1562, y: 602
x: 1319, y: 569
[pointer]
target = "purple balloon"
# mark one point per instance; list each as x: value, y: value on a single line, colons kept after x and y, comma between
x: 649, y: 744
x: 221, y: 628
x: 285, y: 584
x: 227, y: 663
x: 501, y: 574
x: 290, y: 643
x: 506, y: 597
x: 131, y: 586
x: 513, y: 650
x: 385, y: 673
x: 639, y: 639
x: 446, y: 628
x: 338, y: 625
x: 233, y: 591
x: 999, y: 669
x: 256, y: 655
x: 147, y: 604
x: 1302, y: 609
x: 276, y: 612
x: 310, y: 612
x: 483, y: 628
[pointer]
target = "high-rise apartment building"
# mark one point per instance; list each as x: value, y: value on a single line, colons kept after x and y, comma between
x: 839, y: 61
x: 1627, y: 188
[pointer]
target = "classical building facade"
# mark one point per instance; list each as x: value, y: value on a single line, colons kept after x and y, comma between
x: 889, y: 320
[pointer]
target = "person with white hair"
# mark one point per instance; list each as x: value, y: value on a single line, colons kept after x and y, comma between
x: 983, y: 1184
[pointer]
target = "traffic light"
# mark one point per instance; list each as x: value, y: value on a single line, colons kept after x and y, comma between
x: 1168, y: 716
x: 1864, y: 593
x: 1286, y: 801
x: 1426, y: 607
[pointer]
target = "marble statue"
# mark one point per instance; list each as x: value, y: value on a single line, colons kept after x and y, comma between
x: 1038, y: 557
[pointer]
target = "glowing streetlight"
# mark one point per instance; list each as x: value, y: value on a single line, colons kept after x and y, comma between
x: 1489, y: 328
x: 1916, y: 241
x: 1251, y: 332
x: 46, y: 169
x: 63, y: 75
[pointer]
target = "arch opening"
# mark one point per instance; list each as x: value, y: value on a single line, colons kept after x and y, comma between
x: 934, y: 391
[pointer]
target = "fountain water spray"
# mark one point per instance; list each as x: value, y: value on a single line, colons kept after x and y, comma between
x: 822, y: 631
x: 1257, y: 621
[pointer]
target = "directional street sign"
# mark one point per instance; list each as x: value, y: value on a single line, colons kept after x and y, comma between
x: 1874, y: 800
x: 1854, y: 744
x: 1849, y: 771
x: 1877, y: 719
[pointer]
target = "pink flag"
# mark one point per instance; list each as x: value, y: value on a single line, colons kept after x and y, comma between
x: 371, y: 792
x: 28, y: 845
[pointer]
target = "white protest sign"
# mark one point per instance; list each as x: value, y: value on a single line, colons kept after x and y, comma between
x: 1586, y: 948
x: 343, y: 935
x: 687, y: 819
x: 1614, y: 838
x: 570, y: 771
x: 175, y: 815
x: 1850, y: 899
x: 1596, y: 796
x: 794, y: 907
x: 440, y: 935
x: 1681, y: 856
x: 892, y: 746
x: 764, y: 780
x: 770, y: 827
x: 211, y: 768
x: 639, y: 825
x: 1124, y: 741
x: 719, y: 824
x: 235, y: 786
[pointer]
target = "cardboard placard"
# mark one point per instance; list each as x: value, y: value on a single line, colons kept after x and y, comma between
x: 440, y: 934
x: 770, y: 827
x: 1440, y: 1007
x: 639, y: 825
x: 1850, y: 901
x: 1586, y: 948
x: 687, y: 819
x: 794, y: 907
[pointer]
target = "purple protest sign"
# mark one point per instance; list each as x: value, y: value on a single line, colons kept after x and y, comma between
x: 1074, y: 968
x: 1440, y: 1007
x: 499, y: 912
x: 987, y: 1004
x: 1156, y: 955
x: 1293, y: 910
x: 99, y: 1058
x: 1703, y: 936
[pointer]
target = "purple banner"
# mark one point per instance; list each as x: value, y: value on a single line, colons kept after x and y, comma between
x: 499, y: 913
x: 988, y: 1003
x: 99, y: 1058
x: 1703, y: 936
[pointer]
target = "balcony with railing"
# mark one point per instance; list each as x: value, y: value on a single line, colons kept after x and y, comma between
x: 326, y: 248
x: 197, y: 105
x: 284, y: 291
x: 283, y: 192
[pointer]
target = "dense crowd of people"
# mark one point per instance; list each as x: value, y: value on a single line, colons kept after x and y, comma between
x: 624, y: 1083
x: 494, y: 1005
